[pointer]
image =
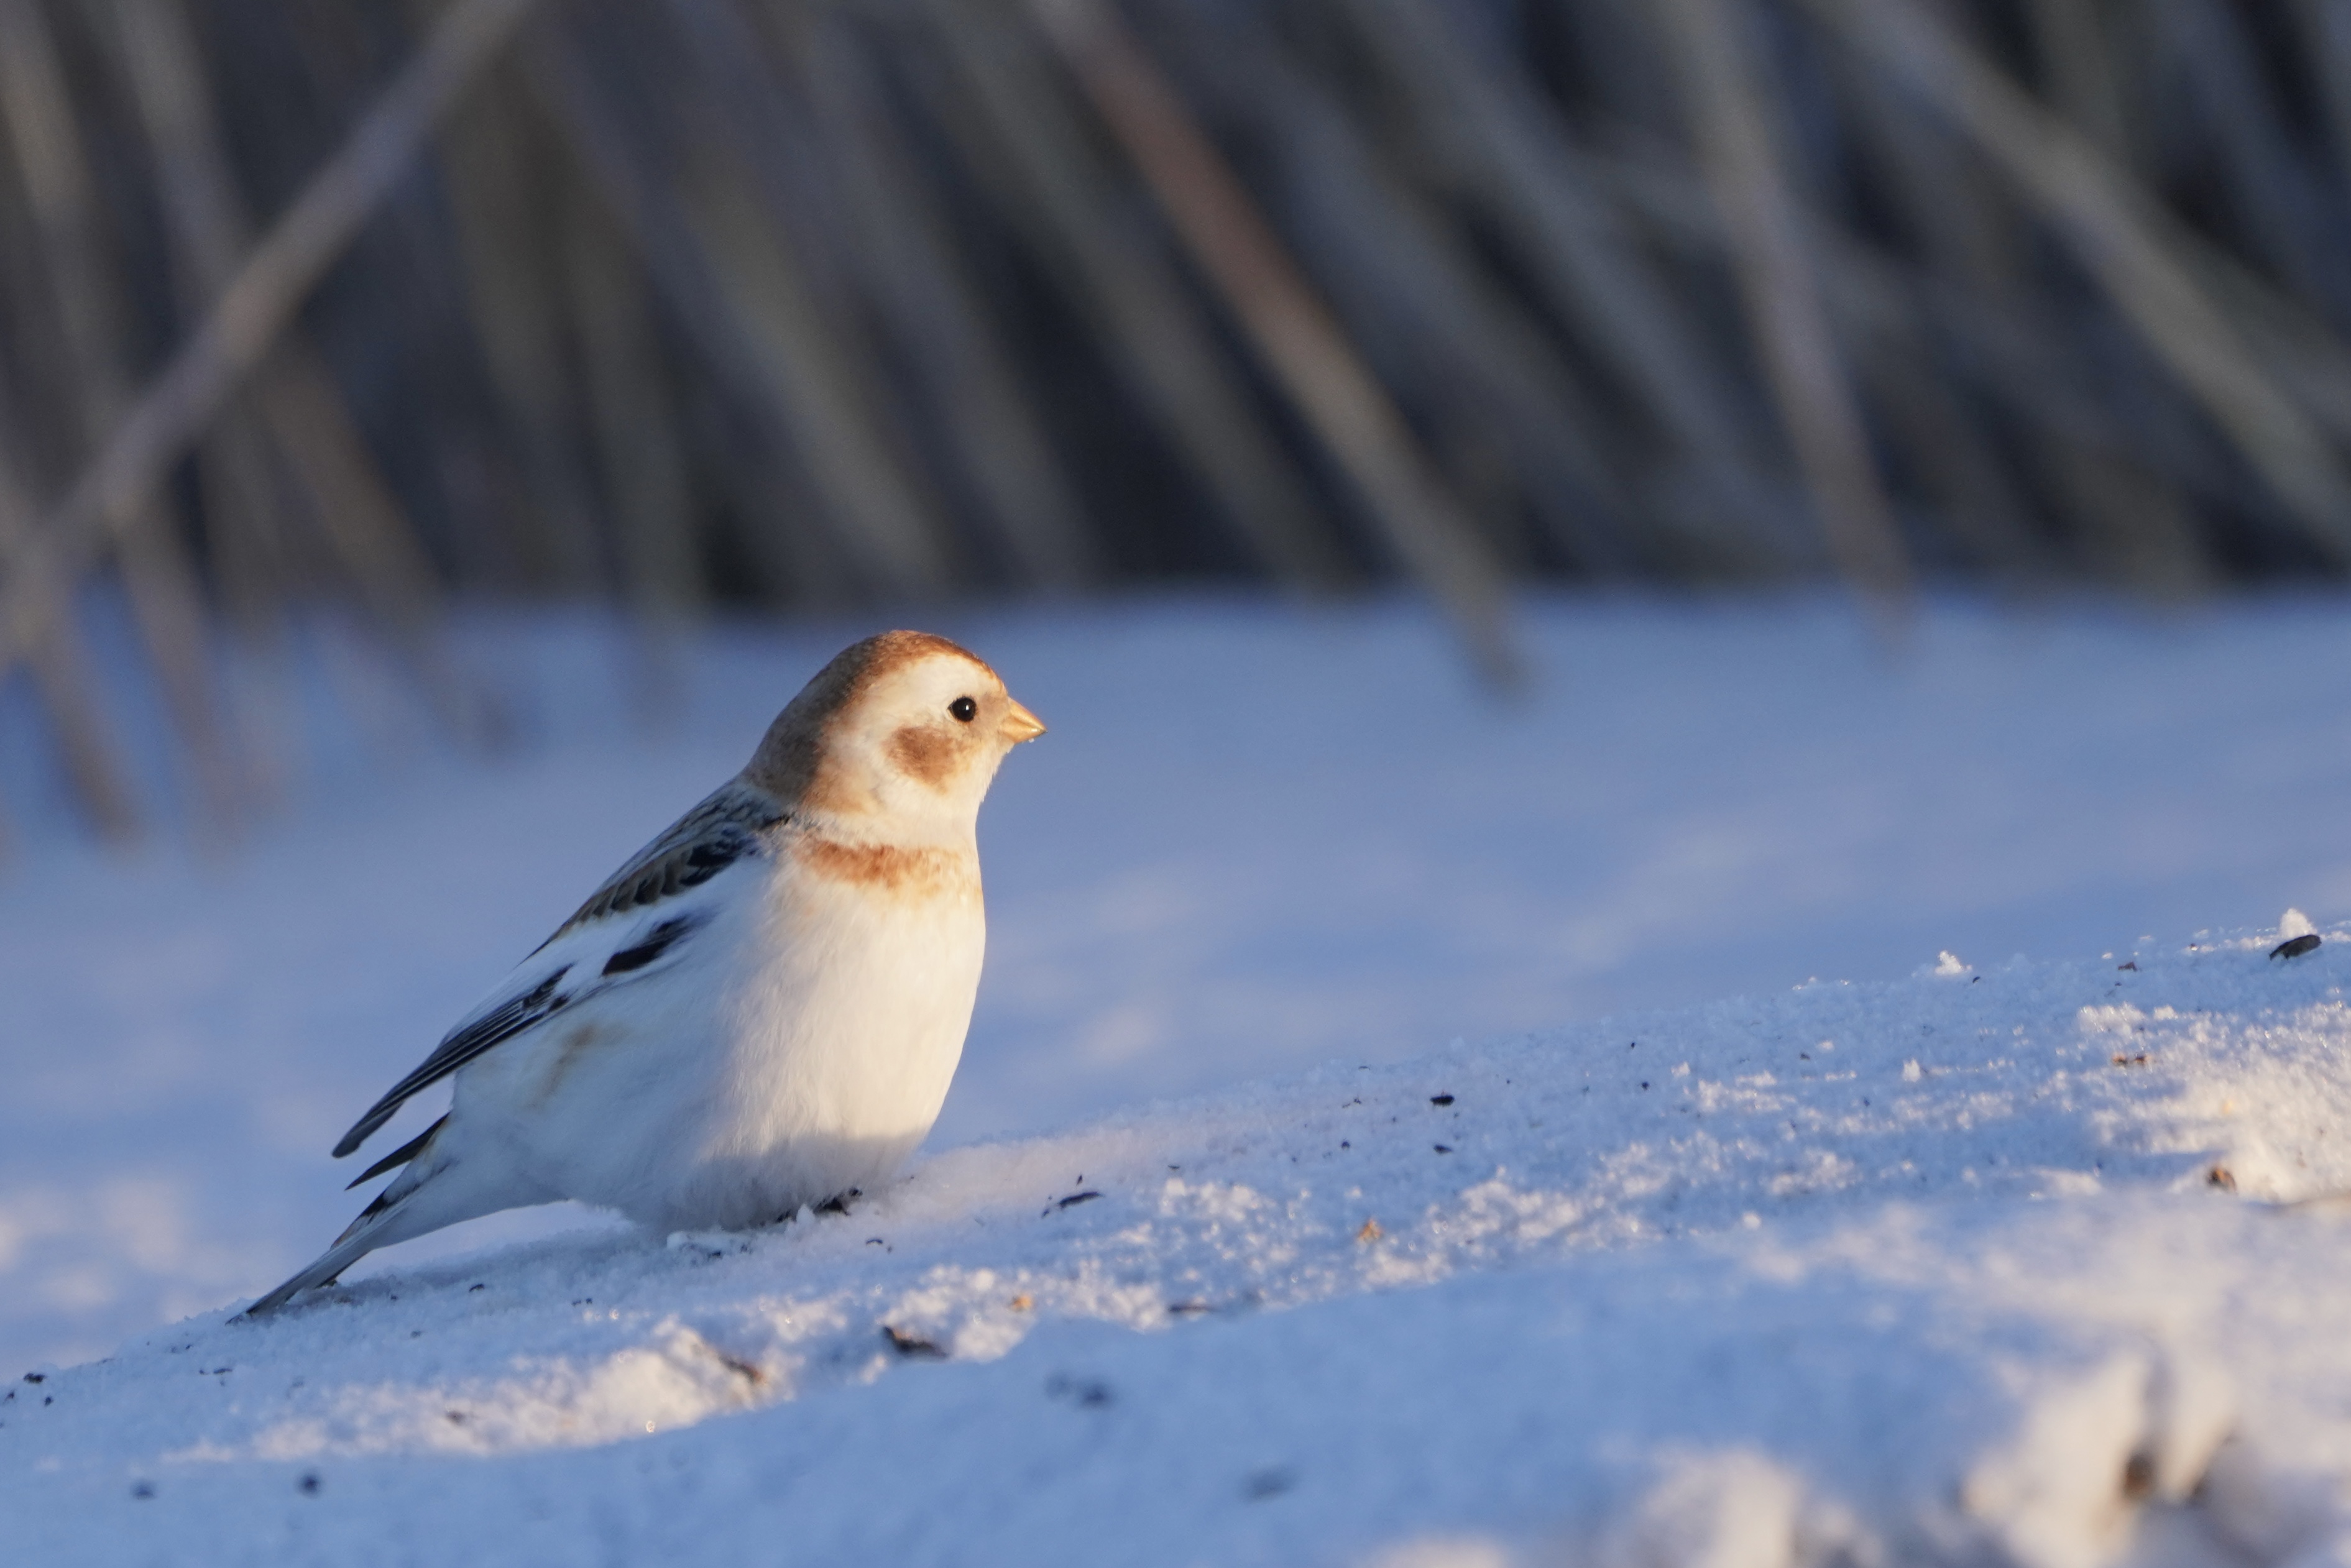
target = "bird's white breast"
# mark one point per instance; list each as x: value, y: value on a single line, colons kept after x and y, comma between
x: 844, y: 1042
x: 802, y: 1046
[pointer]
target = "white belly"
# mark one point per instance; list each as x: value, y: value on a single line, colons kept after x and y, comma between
x: 740, y: 1091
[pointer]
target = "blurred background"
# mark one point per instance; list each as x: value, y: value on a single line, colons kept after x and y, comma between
x: 707, y: 306
x: 1515, y: 510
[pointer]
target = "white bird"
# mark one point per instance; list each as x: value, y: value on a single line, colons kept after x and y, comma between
x: 762, y: 1009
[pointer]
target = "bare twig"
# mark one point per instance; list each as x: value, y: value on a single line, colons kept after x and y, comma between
x: 157, y: 576
x: 512, y: 264
x: 174, y: 410
x: 1422, y: 310
x: 1873, y: 297
x: 2071, y: 41
x: 62, y: 681
x: 748, y: 311
x: 2294, y: 220
x: 1964, y: 228
x: 1503, y: 144
x: 1290, y: 325
x: 789, y: 259
x: 644, y: 466
x: 1736, y: 144
x: 911, y: 261
x: 301, y: 409
x: 1010, y: 120
x: 2121, y: 241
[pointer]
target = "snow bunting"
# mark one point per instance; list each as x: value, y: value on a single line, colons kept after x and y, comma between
x: 761, y: 1010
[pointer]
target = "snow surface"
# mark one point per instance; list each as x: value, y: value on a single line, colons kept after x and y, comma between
x: 1936, y: 1296
x: 2041, y: 1264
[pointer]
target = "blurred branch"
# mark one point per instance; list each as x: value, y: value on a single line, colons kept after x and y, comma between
x: 160, y: 581
x: 750, y: 313
x: 1737, y: 149
x: 1500, y: 142
x: 104, y: 503
x: 909, y: 259
x: 1012, y: 125
x: 68, y: 695
x: 302, y: 411
x: 1302, y: 345
x: 810, y: 304
x: 2118, y: 237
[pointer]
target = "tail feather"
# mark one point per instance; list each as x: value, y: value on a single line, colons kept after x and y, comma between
x: 398, y: 1157
x: 325, y: 1271
x: 390, y: 1217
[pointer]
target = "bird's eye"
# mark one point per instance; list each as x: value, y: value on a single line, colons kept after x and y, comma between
x: 963, y: 709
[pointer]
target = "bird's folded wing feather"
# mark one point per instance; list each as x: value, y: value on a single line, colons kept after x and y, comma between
x: 716, y: 833
x: 608, y: 941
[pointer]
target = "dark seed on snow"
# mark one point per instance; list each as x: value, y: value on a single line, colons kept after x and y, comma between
x: 1270, y: 1483
x: 1440, y: 1099
x: 1077, y: 1198
x: 309, y: 1485
x: 1443, y: 1148
x: 912, y: 1346
x: 2296, y: 947
x: 1087, y: 1391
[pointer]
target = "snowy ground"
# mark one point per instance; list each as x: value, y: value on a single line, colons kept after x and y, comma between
x: 1258, y: 839
x: 2042, y: 1264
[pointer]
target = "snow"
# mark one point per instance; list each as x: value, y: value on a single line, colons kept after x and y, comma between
x: 1963, y: 1258
x: 1728, y: 1284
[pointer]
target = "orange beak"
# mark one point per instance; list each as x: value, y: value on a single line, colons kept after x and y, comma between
x: 1020, y: 724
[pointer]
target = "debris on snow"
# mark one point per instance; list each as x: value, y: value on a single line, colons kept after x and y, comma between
x: 2018, y: 1311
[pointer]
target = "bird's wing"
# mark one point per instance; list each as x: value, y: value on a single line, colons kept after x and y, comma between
x: 641, y: 917
x: 727, y: 825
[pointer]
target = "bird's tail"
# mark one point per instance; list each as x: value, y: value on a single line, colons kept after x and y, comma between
x: 391, y: 1217
x: 325, y: 1271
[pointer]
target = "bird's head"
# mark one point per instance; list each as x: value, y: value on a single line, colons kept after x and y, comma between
x: 899, y: 735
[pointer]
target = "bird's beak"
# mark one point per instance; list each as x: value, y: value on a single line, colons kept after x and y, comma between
x: 1020, y: 724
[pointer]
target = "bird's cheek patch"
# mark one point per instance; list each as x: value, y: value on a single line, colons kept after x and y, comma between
x: 925, y: 754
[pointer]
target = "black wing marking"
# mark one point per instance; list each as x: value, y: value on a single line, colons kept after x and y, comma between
x: 399, y: 1157
x: 716, y: 833
x: 503, y: 1022
x: 663, y: 937
x: 727, y: 825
